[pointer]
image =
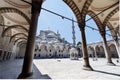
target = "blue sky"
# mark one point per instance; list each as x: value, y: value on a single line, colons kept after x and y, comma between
x: 54, y: 23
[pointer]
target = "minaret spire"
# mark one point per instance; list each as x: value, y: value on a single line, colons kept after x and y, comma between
x: 73, y: 33
x: 58, y: 34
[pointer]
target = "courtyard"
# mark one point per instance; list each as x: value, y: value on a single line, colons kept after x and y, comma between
x: 62, y: 69
x: 72, y: 69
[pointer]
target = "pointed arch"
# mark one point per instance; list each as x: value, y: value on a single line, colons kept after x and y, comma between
x: 14, y: 26
x: 102, y: 51
x: 74, y: 8
x: 96, y: 19
x: 14, y: 10
x: 19, y: 39
x: 113, y: 51
x: 85, y: 8
x: 36, y: 46
x: 111, y: 29
x: 97, y: 49
x: 13, y: 36
x: 110, y: 15
x: 20, y: 43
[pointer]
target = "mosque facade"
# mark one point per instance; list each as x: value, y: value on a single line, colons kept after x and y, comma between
x: 49, y: 44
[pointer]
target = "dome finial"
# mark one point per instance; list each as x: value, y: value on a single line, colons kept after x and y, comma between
x: 48, y: 28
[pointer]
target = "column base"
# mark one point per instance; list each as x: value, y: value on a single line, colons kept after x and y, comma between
x: 25, y: 75
x: 87, y: 67
x: 111, y: 64
x: 118, y: 60
x: 95, y: 59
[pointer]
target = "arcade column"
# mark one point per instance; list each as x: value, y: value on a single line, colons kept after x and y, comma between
x: 107, y: 51
x: 86, y: 65
x: 29, y: 53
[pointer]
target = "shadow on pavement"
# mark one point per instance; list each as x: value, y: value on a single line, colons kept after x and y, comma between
x: 107, y: 73
x: 11, y: 69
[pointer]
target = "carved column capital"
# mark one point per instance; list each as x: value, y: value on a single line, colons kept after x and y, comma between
x: 36, y: 6
x: 82, y: 25
x: 103, y: 33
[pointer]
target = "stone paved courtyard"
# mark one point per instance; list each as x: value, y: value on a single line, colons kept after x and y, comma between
x: 72, y: 69
x: 62, y: 69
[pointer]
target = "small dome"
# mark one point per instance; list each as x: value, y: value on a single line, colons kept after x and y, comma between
x: 44, y: 42
x: 50, y: 42
x: 51, y: 35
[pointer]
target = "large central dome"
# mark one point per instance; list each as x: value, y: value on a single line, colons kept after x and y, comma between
x: 48, y: 36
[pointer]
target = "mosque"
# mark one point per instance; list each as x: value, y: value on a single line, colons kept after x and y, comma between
x: 48, y: 44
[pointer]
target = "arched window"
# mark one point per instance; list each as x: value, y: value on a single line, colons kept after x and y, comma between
x: 50, y: 55
x: 34, y: 55
x: 35, y: 50
x: 39, y: 50
x: 39, y: 55
x: 0, y: 52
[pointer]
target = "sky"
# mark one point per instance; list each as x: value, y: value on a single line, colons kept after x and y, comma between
x: 56, y: 23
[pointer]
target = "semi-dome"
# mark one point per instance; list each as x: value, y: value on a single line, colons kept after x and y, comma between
x: 51, y: 35
x: 43, y: 41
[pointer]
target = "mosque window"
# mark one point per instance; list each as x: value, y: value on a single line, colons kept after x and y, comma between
x: 0, y: 52
x: 50, y: 54
x: 34, y: 55
x: 39, y: 55
x: 35, y: 50
x: 39, y: 50
x: 59, y: 55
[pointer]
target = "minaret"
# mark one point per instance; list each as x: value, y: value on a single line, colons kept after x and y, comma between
x: 73, y: 33
x: 58, y: 34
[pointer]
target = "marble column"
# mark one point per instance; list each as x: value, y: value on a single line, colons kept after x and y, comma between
x: 96, y: 58
x: 5, y: 55
x: 86, y: 65
x: 118, y: 48
x: 107, y: 51
x: 1, y: 54
x: 27, y: 72
x: 8, y: 56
